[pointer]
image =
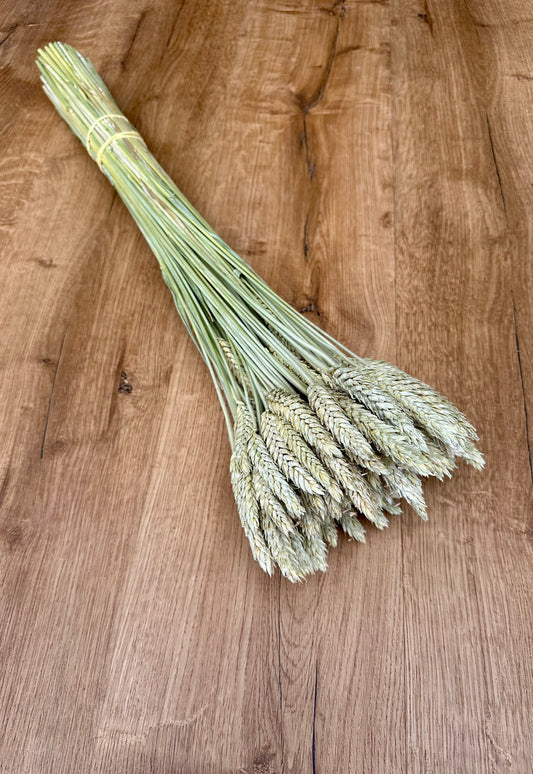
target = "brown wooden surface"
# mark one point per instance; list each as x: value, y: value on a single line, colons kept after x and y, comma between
x: 374, y: 161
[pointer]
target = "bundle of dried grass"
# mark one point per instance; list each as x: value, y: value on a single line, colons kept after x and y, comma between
x: 320, y: 437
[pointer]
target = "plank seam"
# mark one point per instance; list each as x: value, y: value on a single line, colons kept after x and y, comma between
x: 517, y: 345
x: 51, y: 394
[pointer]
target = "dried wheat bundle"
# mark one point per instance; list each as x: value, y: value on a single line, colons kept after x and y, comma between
x: 321, y: 438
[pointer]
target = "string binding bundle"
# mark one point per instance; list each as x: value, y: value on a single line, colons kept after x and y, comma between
x: 321, y: 439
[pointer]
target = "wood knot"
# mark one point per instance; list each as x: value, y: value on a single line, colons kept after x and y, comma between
x: 124, y: 385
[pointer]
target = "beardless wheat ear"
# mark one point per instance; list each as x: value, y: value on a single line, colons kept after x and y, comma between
x: 304, y: 420
x: 265, y: 465
x: 331, y: 415
x: 304, y: 454
x: 245, y: 497
x: 276, y: 443
x: 377, y: 400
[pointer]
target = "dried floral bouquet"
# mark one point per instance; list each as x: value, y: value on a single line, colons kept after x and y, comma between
x: 320, y: 437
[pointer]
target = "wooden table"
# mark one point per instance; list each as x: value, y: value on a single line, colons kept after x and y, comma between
x: 374, y: 161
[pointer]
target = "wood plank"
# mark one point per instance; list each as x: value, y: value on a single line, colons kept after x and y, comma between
x: 333, y: 678
x: 467, y: 634
x: 117, y: 475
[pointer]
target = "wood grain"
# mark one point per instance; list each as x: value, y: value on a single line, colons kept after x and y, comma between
x: 373, y: 161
